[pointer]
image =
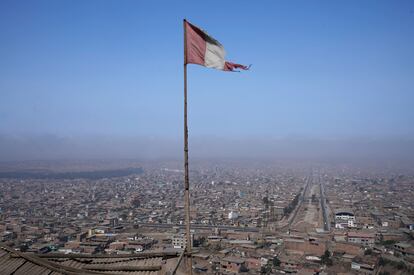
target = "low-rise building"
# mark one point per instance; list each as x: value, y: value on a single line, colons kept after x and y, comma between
x: 344, y: 219
x: 234, y: 265
x: 180, y: 240
x: 404, y: 248
x: 365, y: 239
x: 364, y: 265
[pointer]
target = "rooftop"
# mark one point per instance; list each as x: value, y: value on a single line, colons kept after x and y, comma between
x: 14, y: 262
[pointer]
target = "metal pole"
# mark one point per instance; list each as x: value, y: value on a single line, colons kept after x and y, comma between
x: 186, y: 176
x: 178, y: 262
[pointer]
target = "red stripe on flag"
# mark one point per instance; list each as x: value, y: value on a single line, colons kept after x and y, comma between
x: 229, y: 66
x: 196, y: 45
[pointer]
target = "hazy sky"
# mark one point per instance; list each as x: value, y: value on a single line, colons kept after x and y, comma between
x: 320, y: 69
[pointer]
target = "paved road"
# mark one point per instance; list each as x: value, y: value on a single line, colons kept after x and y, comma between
x: 301, y: 199
x: 201, y: 226
x: 314, y: 178
x: 326, y: 223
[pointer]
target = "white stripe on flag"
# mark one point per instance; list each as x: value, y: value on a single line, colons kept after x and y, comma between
x: 214, y: 57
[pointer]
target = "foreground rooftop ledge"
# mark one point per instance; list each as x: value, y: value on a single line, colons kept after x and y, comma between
x: 138, y: 256
x: 34, y: 262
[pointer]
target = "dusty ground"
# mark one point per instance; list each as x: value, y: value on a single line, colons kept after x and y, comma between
x: 309, y: 216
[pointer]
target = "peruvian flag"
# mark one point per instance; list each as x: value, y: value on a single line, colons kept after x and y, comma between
x: 204, y: 50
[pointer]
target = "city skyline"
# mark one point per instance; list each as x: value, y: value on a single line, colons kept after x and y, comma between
x: 96, y: 70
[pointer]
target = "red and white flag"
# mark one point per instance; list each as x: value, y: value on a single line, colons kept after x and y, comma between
x: 204, y: 50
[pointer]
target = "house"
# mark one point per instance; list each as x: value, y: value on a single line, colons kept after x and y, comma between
x: 180, y: 240
x: 233, y: 265
x: 404, y: 248
x: 289, y: 264
x: 364, y: 265
x: 362, y: 238
x: 253, y: 263
x: 407, y: 223
x: 344, y: 215
x: 117, y: 245
x: 343, y: 224
x: 7, y: 236
x: 344, y: 219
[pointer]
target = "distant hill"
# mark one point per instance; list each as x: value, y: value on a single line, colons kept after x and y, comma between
x: 42, y: 174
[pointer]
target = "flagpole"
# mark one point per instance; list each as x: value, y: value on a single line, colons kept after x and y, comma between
x: 186, y: 176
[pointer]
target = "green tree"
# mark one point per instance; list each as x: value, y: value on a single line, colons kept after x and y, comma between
x: 276, y: 261
x: 388, y: 242
x: 267, y: 269
x: 401, y: 265
x: 326, y: 258
x: 368, y: 252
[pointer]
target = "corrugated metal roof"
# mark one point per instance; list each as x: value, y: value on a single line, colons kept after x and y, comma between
x: 2, y: 253
x: 133, y: 272
x: 8, y: 264
x: 72, y: 263
x: 30, y: 268
x: 13, y: 262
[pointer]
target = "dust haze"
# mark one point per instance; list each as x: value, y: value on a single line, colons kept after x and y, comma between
x: 49, y: 147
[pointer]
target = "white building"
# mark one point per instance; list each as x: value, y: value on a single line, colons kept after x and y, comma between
x: 344, y: 219
x: 180, y: 240
x: 233, y: 215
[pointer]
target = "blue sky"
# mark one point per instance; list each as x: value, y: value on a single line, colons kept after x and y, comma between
x: 320, y: 69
